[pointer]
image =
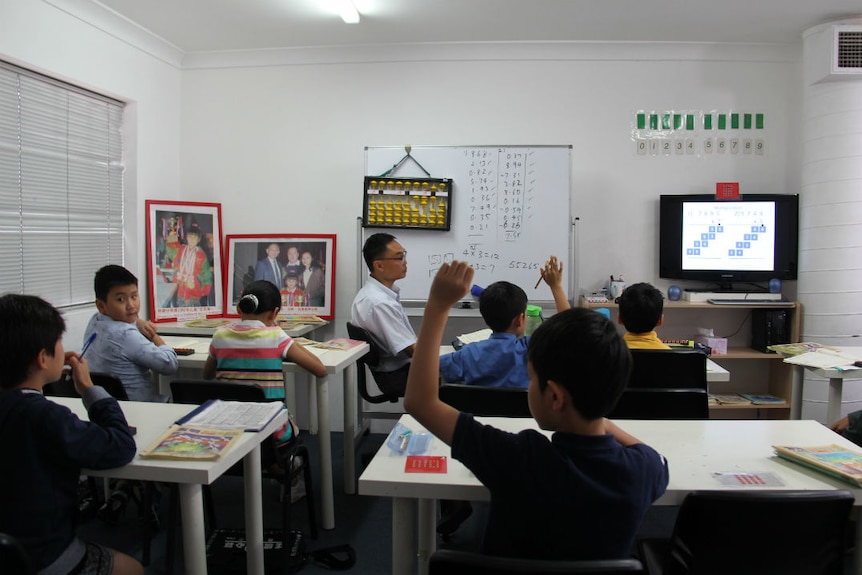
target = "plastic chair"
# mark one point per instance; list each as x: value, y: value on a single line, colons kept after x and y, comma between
x: 650, y: 403
x: 197, y: 391
x: 370, y: 360
x: 488, y: 401
x: 452, y: 562
x: 13, y: 556
x: 661, y: 369
x: 754, y: 532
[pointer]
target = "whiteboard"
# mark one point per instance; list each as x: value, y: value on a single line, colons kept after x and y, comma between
x: 510, y: 210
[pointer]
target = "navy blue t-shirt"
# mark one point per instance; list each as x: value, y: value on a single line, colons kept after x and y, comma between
x: 571, y: 497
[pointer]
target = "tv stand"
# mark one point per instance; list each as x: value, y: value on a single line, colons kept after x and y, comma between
x: 724, y: 288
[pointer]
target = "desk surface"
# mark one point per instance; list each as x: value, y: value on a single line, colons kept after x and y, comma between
x: 153, y: 419
x: 696, y: 451
x: 180, y: 328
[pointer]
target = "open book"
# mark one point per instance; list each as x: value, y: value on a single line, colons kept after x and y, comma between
x: 192, y: 442
x: 242, y: 415
x: 823, y: 358
x: 833, y: 460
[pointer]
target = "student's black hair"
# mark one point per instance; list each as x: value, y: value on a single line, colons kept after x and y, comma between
x: 109, y: 277
x: 30, y: 324
x: 641, y: 306
x: 500, y: 303
x: 375, y: 247
x: 581, y: 350
x: 259, y: 297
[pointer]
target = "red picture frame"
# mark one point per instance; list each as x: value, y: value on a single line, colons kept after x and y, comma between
x: 306, y: 289
x: 184, y: 272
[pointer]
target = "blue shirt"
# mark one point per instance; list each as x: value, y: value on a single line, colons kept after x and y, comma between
x: 499, y: 361
x: 568, y: 497
x: 122, y: 350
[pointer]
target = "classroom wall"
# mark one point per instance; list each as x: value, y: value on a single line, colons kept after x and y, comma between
x: 282, y: 146
x: 115, y: 60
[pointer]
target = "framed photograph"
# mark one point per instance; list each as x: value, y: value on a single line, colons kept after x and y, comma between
x: 301, y: 266
x: 184, y: 260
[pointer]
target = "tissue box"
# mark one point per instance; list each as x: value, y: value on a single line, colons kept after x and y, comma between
x: 718, y: 344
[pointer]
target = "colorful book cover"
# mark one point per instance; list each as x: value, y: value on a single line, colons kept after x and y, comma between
x: 729, y: 399
x: 830, y: 459
x: 192, y: 442
x: 762, y: 398
x: 340, y: 343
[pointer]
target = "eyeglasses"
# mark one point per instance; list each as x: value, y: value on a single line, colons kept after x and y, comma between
x: 399, y: 258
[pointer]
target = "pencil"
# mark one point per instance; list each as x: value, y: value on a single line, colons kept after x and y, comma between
x: 538, y: 282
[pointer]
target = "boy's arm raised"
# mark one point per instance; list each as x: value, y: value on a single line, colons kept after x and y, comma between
x: 422, y: 399
x: 552, y: 273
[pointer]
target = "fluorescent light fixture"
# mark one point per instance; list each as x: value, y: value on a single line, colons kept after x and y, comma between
x: 348, y: 12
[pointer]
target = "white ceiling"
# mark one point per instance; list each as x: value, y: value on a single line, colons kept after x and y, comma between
x: 215, y: 25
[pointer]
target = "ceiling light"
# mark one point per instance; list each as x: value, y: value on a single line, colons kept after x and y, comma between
x: 348, y: 12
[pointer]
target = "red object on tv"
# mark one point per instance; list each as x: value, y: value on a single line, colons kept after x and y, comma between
x: 727, y: 190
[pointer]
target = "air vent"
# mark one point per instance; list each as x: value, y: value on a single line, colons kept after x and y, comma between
x: 849, y: 50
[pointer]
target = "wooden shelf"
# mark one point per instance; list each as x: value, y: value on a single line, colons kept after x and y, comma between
x: 694, y: 305
x: 784, y: 405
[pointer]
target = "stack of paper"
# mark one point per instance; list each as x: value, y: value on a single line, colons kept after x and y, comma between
x: 475, y: 336
x: 823, y: 358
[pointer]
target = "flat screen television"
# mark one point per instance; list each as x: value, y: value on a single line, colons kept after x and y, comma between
x: 726, y: 242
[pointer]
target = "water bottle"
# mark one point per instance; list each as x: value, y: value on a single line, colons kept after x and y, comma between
x: 534, y: 318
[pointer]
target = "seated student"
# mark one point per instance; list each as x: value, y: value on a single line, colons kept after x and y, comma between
x: 641, y: 307
x: 501, y: 360
x: 377, y: 309
x: 126, y: 346
x: 850, y: 426
x: 548, y: 496
x: 45, y: 445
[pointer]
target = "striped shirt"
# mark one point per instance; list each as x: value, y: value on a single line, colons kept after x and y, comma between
x: 251, y: 352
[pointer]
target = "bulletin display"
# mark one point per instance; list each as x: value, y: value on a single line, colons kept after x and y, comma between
x: 418, y: 203
x: 509, y: 209
x: 699, y: 134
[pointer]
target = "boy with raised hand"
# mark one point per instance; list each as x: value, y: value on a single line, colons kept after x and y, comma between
x: 641, y: 311
x: 580, y: 494
x: 45, y: 445
x: 501, y: 360
x: 127, y: 346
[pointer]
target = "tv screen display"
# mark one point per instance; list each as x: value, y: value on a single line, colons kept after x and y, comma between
x: 746, y: 240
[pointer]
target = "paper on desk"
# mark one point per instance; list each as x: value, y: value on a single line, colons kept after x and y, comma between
x: 822, y: 358
x: 748, y: 479
x: 250, y: 416
x: 475, y: 336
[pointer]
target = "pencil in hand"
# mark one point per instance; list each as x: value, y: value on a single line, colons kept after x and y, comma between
x: 539, y: 280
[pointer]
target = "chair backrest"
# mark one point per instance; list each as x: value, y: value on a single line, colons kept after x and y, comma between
x: 64, y: 387
x: 649, y: 403
x: 13, y: 556
x: 488, y: 401
x: 454, y: 562
x: 198, y: 391
x: 748, y: 532
x: 370, y: 360
x: 661, y: 368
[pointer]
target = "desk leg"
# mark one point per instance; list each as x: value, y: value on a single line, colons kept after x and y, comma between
x: 290, y: 391
x: 194, y: 540
x: 349, y: 376
x: 325, y: 441
x: 427, y: 532
x: 313, y: 409
x: 833, y: 410
x: 253, y: 512
x: 403, y: 536
x: 796, y: 391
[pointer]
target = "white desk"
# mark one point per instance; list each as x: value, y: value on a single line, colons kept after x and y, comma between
x: 180, y: 328
x: 695, y: 450
x: 152, y: 419
x: 836, y: 379
x: 335, y: 361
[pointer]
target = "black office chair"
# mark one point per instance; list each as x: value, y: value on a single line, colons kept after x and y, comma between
x: 13, y: 557
x: 370, y: 360
x: 197, y: 391
x: 661, y: 368
x: 453, y: 562
x: 487, y: 401
x: 754, y: 532
x: 64, y: 387
x: 665, y: 403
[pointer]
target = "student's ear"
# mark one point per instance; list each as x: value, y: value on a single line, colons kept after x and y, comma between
x: 660, y: 320
x: 100, y: 305
x: 619, y: 318
x: 519, y: 322
x: 273, y: 315
x: 42, y: 360
x: 559, y: 396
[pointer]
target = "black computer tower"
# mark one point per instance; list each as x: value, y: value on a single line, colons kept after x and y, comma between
x: 769, y: 327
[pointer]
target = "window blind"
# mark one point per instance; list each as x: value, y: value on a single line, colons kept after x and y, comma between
x: 61, y: 186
